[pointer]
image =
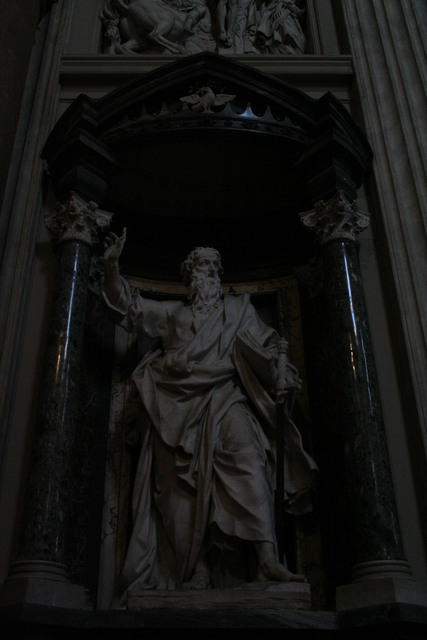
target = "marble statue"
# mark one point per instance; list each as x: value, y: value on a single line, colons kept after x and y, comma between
x: 268, y: 27
x: 207, y: 418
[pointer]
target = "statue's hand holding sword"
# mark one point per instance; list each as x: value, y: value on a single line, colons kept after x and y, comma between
x: 287, y: 375
x: 288, y: 382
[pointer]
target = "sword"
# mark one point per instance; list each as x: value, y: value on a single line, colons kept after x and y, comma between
x: 285, y: 398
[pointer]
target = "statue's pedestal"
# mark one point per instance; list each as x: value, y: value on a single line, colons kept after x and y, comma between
x: 256, y: 595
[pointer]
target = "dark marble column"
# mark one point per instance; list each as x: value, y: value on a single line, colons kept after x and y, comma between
x: 356, y: 458
x: 75, y: 225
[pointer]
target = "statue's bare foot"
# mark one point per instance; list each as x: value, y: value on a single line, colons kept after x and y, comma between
x: 225, y: 39
x: 270, y: 569
x: 197, y: 582
x: 276, y: 572
x: 201, y: 577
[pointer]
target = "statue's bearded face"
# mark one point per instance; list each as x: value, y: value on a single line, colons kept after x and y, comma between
x: 205, y: 283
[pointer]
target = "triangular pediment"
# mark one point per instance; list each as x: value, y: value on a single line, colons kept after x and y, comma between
x: 173, y: 81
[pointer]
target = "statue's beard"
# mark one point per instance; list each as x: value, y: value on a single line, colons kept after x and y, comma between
x: 205, y: 291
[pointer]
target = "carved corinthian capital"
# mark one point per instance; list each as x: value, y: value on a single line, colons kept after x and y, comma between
x: 335, y: 219
x: 77, y: 220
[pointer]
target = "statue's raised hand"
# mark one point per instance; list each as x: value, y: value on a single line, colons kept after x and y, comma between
x: 113, y: 246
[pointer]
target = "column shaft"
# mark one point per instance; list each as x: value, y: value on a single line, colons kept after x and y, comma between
x: 354, y: 418
x: 75, y: 225
x: 362, y: 523
x: 48, y: 493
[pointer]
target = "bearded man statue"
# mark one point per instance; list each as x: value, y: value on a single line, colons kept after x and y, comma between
x: 205, y: 476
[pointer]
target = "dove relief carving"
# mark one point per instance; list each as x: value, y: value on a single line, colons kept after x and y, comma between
x: 205, y: 98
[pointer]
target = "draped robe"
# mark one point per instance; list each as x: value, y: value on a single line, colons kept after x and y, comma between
x: 206, y: 462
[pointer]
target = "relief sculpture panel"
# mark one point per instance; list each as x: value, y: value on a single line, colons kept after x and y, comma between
x: 183, y: 27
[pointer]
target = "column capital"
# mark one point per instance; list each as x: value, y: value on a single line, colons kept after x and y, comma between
x: 77, y: 219
x: 338, y: 218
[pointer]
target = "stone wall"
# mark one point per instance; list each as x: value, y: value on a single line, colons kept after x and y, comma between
x: 17, y: 34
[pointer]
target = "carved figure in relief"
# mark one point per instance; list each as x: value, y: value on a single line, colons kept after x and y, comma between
x: 186, y: 26
x: 207, y: 419
x: 279, y: 28
x: 134, y: 26
x: 201, y: 38
x: 236, y: 25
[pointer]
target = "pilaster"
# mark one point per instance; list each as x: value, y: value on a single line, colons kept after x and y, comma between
x: 387, y: 38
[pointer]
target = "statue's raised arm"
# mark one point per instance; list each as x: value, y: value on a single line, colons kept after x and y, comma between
x: 129, y: 309
x: 113, y: 247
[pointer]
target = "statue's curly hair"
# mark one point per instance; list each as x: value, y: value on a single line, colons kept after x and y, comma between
x: 192, y: 258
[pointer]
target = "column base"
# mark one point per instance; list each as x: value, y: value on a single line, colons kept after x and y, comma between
x: 42, y: 569
x: 42, y: 583
x: 381, y: 569
x: 381, y: 582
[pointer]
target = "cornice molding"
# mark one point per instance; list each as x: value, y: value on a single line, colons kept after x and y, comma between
x: 314, y: 67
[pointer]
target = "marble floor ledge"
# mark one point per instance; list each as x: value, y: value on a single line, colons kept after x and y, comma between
x: 397, y: 621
